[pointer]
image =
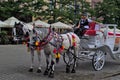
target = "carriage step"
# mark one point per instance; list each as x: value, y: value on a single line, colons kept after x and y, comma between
x: 86, y: 55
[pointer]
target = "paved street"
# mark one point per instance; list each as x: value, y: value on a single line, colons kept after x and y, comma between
x: 15, y: 62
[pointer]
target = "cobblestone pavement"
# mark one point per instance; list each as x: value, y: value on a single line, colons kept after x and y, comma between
x: 15, y: 62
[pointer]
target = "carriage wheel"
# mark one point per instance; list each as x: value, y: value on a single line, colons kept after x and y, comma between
x: 98, y: 60
x: 68, y: 56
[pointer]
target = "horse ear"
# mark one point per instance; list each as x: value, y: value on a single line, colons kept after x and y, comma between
x: 15, y: 23
x: 50, y: 25
x: 50, y: 28
x: 19, y: 23
x: 53, y: 29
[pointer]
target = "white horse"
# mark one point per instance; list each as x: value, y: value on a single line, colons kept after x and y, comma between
x: 31, y: 37
x: 60, y: 44
x: 33, y: 46
x: 54, y: 45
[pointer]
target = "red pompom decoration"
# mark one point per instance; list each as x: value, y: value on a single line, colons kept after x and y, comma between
x: 62, y: 47
x: 55, y: 51
x: 60, y: 50
x: 74, y: 44
x: 73, y: 36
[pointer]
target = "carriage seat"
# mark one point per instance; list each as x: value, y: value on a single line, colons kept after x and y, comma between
x: 93, y: 37
x: 91, y: 31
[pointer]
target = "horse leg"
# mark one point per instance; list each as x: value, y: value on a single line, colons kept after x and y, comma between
x: 32, y: 60
x: 47, y: 66
x: 39, y: 60
x: 51, y: 74
x: 68, y: 65
x: 74, y: 63
x: 67, y: 68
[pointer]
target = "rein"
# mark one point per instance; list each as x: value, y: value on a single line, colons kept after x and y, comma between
x: 69, y: 39
x: 46, y: 39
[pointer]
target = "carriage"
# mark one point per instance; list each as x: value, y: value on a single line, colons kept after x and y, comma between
x: 96, y: 44
x: 93, y: 45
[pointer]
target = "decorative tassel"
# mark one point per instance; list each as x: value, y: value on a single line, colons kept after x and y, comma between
x: 73, y: 41
x: 73, y: 36
x: 36, y: 43
x: 54, y: 51
x: 24, y: 43
x: 74, y: 44
x: 60, y: 50
x: 62, y: 47
x: 57, y: 55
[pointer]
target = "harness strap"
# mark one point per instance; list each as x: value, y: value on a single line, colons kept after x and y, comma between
x: 69, y: 39
x: 47, y: 39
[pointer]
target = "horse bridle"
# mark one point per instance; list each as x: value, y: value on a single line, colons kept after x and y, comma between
x: 52, y: 35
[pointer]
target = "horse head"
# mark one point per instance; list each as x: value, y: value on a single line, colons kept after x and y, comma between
x: 21, y: 32
x: 19, y: 29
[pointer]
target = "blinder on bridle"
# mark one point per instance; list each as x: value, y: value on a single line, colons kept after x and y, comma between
x: 19, y: 29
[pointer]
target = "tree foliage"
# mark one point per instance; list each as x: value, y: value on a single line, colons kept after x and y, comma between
x: 67, y: 11
x: 22, y: 9
x: 109, y: 10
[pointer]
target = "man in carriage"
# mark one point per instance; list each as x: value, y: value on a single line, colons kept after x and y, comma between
x: 82, y: 25
x: 86, y: 24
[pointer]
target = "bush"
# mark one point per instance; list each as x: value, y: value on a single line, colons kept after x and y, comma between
x: 4, y: 38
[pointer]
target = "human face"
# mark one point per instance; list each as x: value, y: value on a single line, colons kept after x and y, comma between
x: 83, y: 17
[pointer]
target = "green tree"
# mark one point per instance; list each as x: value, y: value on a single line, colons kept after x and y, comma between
x: 109, y: 10
x: 3, y: 37
x: 22, y: 9
x: 8, y: 9
x: 68, y: 11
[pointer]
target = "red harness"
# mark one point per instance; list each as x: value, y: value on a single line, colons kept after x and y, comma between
x: 47, y: 39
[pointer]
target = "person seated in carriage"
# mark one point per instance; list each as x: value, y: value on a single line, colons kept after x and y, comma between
x: 86, y: 24
x: 82, y: 25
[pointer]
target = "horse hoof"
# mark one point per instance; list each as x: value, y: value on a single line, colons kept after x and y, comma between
x: 45, y: 73
x: 30, y: 70
x: 68, y: 69
x: 73, y: 71
x: 51, y: 75
x: 39, y: 71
